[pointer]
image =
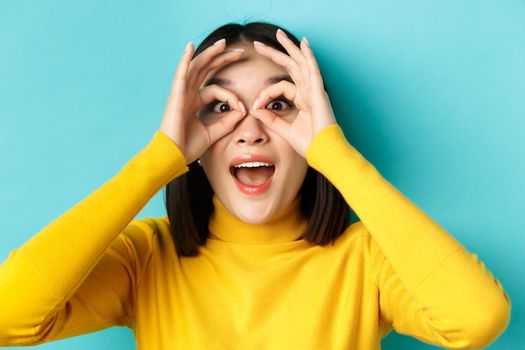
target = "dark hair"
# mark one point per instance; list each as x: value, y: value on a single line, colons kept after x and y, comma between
x: 188, y: 197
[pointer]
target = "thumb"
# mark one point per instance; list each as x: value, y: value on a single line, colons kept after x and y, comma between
x: 224, y: 125
x: 273, y: 121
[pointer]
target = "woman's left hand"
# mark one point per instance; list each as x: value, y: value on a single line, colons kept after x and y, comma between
x: 308, y: 95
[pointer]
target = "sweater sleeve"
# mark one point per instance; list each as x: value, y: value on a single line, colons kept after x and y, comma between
x: 78, y: 274
x: 430, y: 286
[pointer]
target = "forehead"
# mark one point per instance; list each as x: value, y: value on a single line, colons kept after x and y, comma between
x: 252, y: 68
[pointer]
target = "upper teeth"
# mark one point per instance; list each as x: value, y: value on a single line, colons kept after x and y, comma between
x: 252, y: 164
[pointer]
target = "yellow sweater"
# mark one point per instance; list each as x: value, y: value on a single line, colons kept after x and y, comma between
x: 251, y: 287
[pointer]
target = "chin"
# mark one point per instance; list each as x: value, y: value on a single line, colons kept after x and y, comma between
x: 253, y: 215
x: 254, y: 221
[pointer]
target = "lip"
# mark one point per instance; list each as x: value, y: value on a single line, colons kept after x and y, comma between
x: 253, y: 157
x: 248, y: 189
x: 253, y: 190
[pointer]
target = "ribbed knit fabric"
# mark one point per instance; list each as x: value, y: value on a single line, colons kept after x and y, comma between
x: 252, y: 286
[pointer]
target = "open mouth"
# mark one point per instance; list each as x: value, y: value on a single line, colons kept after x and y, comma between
x: 253, y: 174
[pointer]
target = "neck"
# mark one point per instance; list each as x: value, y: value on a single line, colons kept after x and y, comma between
x: 287, y: 226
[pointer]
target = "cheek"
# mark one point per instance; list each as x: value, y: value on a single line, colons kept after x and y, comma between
x: 298, y: 166
x: 216, y: 153
x: 287, y: 154
x: 300, y: 170
x: 213, y: 160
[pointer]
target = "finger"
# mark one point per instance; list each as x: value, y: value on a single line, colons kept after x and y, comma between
x: 215, y: 92
x: 313, y: 68
x: 182, y: 69
x: 221, y: 60
x: 273, y: 121
x: 292, y: 49
x: 206, y: 56
x: 283, y: 87
x: 281, y: 59
x: 178, y: 87
x: 224, y: 125
x: 289, y: 45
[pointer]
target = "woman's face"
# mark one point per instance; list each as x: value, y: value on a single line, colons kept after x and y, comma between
x: 248, y: 77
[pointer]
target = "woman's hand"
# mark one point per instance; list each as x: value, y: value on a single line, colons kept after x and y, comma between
x: 180, y: 121
x: 308, y: 95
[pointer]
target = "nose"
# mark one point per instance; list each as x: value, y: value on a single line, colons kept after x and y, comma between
x: 250, y: 130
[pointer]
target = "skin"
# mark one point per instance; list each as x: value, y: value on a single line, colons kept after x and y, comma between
x: 251, y: 135
x: 217, y: 138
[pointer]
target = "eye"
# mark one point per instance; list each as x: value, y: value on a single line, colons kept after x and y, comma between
x: 223, y: 107
x: 280, y: 104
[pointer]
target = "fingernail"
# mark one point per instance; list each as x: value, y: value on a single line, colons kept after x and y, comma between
x: 282, y: 32
x: 255, y: 103
x: 243, y: 109
x: 306, y: 41
x: 258, y: 43
x: 188, y: 46
x: 219, y: 41
x: 238, y: 49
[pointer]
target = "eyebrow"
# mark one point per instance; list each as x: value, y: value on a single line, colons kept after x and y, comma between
x: 268, y: 81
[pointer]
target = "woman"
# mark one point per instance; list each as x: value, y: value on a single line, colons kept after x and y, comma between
x: 259, y: 179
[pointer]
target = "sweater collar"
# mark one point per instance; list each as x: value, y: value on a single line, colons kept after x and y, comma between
x: 288, y: 226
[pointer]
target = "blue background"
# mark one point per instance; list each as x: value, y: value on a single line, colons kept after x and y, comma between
x: 431, y: 92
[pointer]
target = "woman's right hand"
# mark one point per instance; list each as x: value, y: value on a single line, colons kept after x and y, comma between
x: 180, y: 121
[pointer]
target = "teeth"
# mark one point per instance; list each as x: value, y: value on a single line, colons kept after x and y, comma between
x: 252, y: 165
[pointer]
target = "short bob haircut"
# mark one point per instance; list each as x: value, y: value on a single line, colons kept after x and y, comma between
x: 189, y: 196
